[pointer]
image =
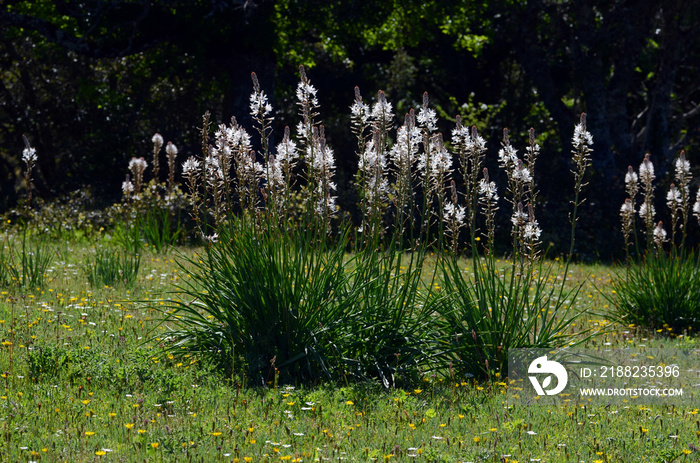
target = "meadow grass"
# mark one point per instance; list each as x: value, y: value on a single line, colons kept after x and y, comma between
x: 85, y: 378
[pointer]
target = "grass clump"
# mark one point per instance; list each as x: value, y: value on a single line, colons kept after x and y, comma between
x: 278, y: 304
x: 109, y: 267
x: 661, y: 292
x: 659, y: 288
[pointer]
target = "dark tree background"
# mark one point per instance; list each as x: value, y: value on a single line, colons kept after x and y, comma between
x: 89, y: 82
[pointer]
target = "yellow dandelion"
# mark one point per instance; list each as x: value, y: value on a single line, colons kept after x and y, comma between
x: 349, y: 402
x: 129, y: 425
x: 99, y: 453
x: 89, y: 433
x: 216, y: 434
x: 155, y: 445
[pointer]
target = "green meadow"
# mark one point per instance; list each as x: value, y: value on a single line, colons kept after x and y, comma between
x: 86, y: 378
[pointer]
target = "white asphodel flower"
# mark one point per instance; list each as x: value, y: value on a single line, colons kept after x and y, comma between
x: 627, y: 208
x: 488, y: 189
x: 127, y: 187
x: 659, y: 232
x: 157, y: 140
x: 29, y: 155
x: 682, y: 165
x: 382, y: 110
x: 171, y: 149
x: 427, y: 118
x: 646, y: 170
x: 360, y: 111
x: 454, y: 213
x: 518, y: 219
x: 646, y: 208
x: 258, y: 104
x: 137, y: 164
x: 287, y: 151
x: 522, y: 173
x: 582, y: 136
x: 631, y: 177
x: 190, y: 167
x: 532, y: 231
x: 673, y: 197
x: 306, y: 93
x: 507, y: 156
x: 696, y: 206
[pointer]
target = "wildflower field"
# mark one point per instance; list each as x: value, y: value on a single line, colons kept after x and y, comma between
x: 243, y: 316
x: 85, y: 378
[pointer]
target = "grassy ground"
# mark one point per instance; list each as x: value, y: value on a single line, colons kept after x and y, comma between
x: 84, y: 379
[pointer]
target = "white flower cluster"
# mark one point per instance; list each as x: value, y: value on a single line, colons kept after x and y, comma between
x: 382, y: 111
x: 521, y: 173
x: 647, y: 209
x: 532, y: 231
x: 435, y: 163
x: 488, y: 190
x: 682, y: 165
x: 627, y: 209
x: 190, y: 168
x: 171, y: 150
x: 127, y: 187
x: 454, y: 214
x: 507, y: 157
x: 322, y: 164
x: 157, y: 141
x: 279, y: 168
x: 137, y: 166
x: 361, y: 112
x: 659, y: 234
x: 259, y: 104
x: 646, y: 170
x: 468, y: 139
x: 373, y: 164
x: 673, y: 198
x: 29, y: 155
x: 306, y: 94
x: 582, y: 137
x: 403, y: 153
x: 427, y: 118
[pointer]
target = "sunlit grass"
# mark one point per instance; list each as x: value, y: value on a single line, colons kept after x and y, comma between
x: 84, y: 379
